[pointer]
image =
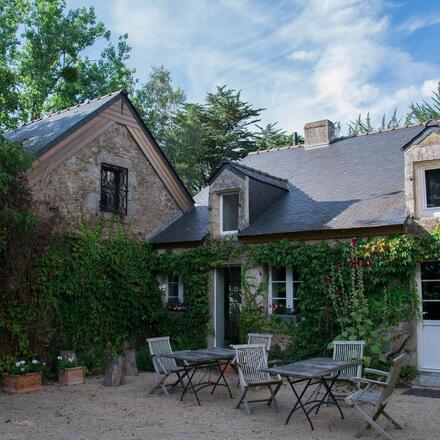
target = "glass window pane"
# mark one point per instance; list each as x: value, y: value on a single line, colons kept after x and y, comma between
x: 230, y: 212
x: 431, y: 270
x: 173, y: 289
x: 432, y: 178
x: 431, y: 310
x: 279, y: 290
x: 279, y: 302
x: 279, y: 273
x: 431, y: 290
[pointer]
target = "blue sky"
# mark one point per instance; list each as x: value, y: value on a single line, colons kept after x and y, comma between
x: 302, y: 60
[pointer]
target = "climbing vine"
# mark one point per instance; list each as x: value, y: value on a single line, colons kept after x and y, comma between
x: 96, y: 290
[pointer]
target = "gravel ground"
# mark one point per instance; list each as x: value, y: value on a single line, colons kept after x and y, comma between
x: 93, y: 412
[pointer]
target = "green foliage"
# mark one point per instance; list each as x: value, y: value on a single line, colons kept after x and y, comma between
x: 42, y: 66
x: 25, y: 367
x: 270, y: 136
x: 426, y: 110
x: 66, y: 363
x: 407, y: 374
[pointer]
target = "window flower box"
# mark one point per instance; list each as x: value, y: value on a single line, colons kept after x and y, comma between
x: 22, y: 383
x: 71, y: 376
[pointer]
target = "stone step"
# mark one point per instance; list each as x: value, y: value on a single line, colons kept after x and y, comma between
x: 427, y: 379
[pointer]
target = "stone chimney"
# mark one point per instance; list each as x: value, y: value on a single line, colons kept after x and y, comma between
x: 318, y: 133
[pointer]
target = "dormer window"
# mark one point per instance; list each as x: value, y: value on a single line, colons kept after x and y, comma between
x: 114, y: 188
x: 229, y: 213
x: 430, y: 190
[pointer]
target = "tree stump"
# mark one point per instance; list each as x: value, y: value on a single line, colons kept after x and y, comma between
x: 115, y: 373
x: 130, y: 362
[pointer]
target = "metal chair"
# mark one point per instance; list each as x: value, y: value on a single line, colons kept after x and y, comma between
x: 377, y: 394
x: 260, y: 338
x: 164, y: 367
x: 250, y: 360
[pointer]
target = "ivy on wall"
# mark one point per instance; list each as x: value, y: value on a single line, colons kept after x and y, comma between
x: 94, y: 291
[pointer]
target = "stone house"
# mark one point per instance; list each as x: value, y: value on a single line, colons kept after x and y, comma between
x: 329, y: 188
x: 98, y: 159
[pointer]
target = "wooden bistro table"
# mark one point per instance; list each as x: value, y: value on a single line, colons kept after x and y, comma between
x: 322, y: 371
x: 194, y: 360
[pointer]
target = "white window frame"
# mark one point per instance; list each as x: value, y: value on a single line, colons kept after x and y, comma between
x: 423, y: 201
x: 180, y: 295
x: 291, y: 293
x: 222, y: 232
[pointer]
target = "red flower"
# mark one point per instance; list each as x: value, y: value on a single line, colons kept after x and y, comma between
x: 354, y: 242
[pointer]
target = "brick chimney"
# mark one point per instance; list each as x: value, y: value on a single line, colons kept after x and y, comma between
x: 318, y: 133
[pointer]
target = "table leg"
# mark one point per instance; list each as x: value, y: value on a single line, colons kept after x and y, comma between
x: 222, y: 376
x: 298, y: 401
x: 330, y: 394
x: 190, y: 384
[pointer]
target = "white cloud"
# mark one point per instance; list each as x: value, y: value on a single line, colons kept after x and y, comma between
x: 429, y: 86
x: 345, y: 65
x: 302, y: 55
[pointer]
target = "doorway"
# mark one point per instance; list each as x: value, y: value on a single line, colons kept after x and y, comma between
x: 428, y: 280
x: 227, y: 305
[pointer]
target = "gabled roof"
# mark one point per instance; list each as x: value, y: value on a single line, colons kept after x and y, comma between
x: 353, y: 183
x: 244, y: 170
x: 40, y: 135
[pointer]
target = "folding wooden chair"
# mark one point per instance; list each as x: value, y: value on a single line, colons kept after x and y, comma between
x: 349, y: 351
x: 250, y: 360
x: 260, y: 338
x: 377, y: 394
x: 164, y: 367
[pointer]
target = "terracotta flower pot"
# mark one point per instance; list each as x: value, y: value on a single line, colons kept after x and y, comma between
x: 24, y: 383
x: 71, y: 376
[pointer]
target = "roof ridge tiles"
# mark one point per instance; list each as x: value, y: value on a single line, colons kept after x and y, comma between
x: 255, y: 170
x: 379, y: 131
x: 89, y: 101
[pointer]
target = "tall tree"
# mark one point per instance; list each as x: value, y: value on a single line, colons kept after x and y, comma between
x: 270, y: 136
x: 219, y: 128
x: 11, y: 15
x: 158, y: 102
x: 43, y: 69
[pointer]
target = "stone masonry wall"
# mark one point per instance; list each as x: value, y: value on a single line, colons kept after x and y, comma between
x: 425, y: 153
x: 228, y: 181
x: 72, y: 191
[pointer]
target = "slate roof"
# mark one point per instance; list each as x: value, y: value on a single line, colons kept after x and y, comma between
x: 355, y: 182
x: 190, y: 227
x: 259, y: 175
x: 41, y: 134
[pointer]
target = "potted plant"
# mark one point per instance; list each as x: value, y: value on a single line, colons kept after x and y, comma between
x: 69, y: 373
x: 289, y: 315
x: 23, y: 377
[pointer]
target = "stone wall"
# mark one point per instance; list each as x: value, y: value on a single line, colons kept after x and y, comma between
x: 427, y: 152
x: 71, y: 192
x: 228, y: 181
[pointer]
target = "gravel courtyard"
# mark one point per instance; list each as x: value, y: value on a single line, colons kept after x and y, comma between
x: 93, y: 412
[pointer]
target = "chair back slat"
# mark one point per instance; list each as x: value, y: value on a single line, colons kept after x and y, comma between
x: 251, y: 359
x: 393, y: 376
x: 158, y: 347
x: 260, y: 338
x: 348, y: 351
